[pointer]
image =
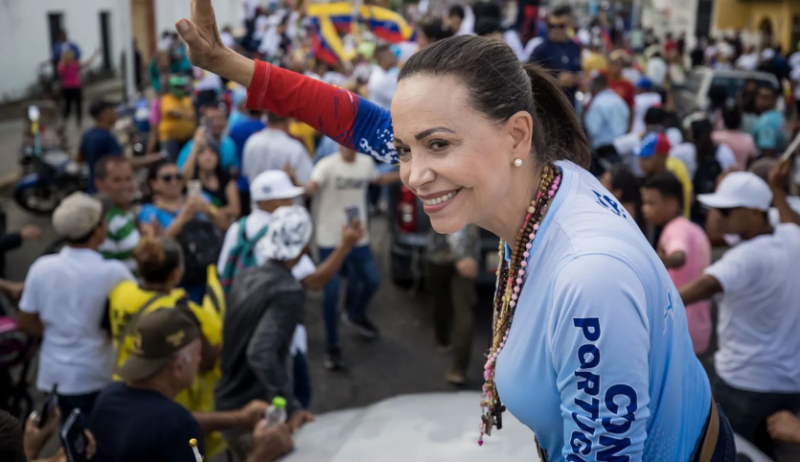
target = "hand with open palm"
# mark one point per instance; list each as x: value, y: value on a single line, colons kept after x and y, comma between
x: 205, y: 47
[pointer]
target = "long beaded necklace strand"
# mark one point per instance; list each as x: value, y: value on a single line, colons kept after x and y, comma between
x: 510, y: 279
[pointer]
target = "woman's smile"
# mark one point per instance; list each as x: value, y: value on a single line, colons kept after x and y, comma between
x: 435, y: 202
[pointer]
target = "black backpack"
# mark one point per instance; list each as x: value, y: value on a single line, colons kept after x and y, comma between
x: 201, y: 242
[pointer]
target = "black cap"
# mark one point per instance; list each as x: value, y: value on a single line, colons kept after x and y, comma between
x: 157, y: 337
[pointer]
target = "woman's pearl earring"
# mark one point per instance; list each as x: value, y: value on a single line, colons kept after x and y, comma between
x: 518, y: 162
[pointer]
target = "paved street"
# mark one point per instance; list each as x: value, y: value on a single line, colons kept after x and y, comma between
x: 403, y: 360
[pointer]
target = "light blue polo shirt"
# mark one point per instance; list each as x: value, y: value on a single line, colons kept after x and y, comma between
x: 599, y: 362
x: 769, y: 131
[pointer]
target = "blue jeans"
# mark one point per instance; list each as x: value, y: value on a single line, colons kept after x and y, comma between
x: 362, y: 282
x: 726, y: 447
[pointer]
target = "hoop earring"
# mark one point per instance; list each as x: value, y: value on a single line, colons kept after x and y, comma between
x: 518, y: 162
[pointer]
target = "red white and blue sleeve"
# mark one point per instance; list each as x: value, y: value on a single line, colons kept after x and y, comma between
x: 339, y: 114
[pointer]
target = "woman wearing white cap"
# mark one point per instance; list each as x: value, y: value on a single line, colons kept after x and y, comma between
x: 585, y: 313
x: 757, y: 364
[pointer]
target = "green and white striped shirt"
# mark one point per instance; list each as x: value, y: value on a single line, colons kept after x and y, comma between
x: 122, y: 238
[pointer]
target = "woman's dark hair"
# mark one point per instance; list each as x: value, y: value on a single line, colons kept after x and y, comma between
x: 500, y: 86
x: 218, y: 170
x: 435, y: 30
x: 732, y: 118
x: 655, y: 116
x: 701, y: 135
x: 623, y: 179
x: 152, y: 174
x: 718, y: 97
x: 456, y: 10
x: 157, y: 258
x: 668, y: 185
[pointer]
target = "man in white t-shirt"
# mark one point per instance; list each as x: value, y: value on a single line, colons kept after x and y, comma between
x: 64, y: 302
x: 383, y: 79
x: 339, y: 182
x: 757, y: 364
x: 274, y: 149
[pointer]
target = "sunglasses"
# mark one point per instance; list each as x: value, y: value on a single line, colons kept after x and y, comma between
x: 557, y: 26
x: 169, y: 177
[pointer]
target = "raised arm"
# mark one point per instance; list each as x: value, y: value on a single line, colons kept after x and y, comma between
x: 339, y: 114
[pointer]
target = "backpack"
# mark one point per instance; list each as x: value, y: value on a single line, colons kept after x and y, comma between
x: 201, y: 243
x: 241, y: 255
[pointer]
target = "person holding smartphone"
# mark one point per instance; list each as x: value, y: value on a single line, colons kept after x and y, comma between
x: 339, y: 183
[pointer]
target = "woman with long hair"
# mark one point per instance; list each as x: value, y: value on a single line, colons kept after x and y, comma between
x: 591, y: 348
x: 204, y: 164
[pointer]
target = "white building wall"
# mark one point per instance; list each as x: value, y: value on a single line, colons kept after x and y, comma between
x: 25, y: 37
x: 168, y: 12
x: 676, y: 16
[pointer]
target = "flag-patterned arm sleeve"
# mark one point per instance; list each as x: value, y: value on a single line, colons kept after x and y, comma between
x: 339, y: 114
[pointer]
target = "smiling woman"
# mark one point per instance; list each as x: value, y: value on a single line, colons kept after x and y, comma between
x: 585, y: 313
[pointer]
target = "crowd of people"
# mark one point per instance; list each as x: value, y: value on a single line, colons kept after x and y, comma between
x: 223, y: 246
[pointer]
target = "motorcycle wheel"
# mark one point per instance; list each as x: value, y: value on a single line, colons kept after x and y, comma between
x: 41, y: 200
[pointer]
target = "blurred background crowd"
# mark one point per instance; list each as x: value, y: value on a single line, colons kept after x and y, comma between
x: 183, y: 218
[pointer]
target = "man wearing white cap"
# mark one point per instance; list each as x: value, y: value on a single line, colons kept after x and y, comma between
x: 757, y: 363
x: 269, y: 191
x: 265, y: 305
x: 64, y: 302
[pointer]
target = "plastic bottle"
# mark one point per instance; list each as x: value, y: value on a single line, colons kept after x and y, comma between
x: 276, y: 412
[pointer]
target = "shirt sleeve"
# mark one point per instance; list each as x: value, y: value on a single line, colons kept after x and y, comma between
x: 735, y: 270
x: 725, y: 157
x: 231, y: 236
x: 272, y: 337
x: 672, y: 240
x: 10, y: 241
x: 343, y: 116
x: 30, y: 298
x: 320, y: 172
x: 183, y: 156
x: 765, y: 135
x: 599, y: 342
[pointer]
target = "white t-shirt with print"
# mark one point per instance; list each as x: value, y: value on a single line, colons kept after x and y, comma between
x: 69, y: 292
x: 759, y: 319
x: 341, y: 185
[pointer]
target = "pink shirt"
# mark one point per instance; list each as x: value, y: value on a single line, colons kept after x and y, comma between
x: 681, y: 235
x: 70, y: 74
x: 741, y: 144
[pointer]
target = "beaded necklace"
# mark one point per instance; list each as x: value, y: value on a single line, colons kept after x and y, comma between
x: 510, y: 280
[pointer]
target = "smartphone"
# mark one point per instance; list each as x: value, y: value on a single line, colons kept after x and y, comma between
x: 73, y: 437
x: 194, y: 188
x: 49, y: 404
x: 351, y: 213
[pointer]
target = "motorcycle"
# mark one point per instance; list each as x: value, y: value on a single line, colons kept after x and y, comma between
x: 51, y: 174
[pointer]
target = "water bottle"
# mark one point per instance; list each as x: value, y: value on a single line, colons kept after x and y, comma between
x: 276, y: 412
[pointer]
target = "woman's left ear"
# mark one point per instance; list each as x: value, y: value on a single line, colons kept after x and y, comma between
x: 520, y: 132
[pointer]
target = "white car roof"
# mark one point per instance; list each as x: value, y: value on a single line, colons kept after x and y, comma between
x: 434, y: 427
